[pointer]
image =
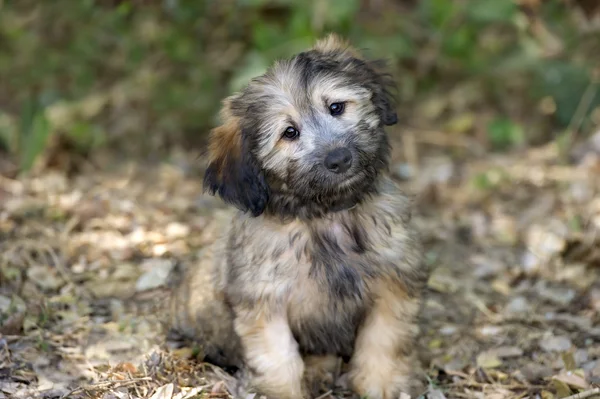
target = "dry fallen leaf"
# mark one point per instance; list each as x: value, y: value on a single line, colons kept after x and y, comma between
x: 127, y: 367
x: 507, y: 351
x: 219, y: 387
x: 572, y: 379
x: 488, y: 360
x: 555, y: 344
x: 433, y: 393
x: 157, y: 274
x: 163, y: 392
x: 562, y: 389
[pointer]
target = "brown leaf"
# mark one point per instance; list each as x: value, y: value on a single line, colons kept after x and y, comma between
x: 569, y: 361
x: 126, y: 367
x: 433, y: 393
x: 562, y: 389
x: 488, y: 360
x: 507, y: 351
x: 164, y: 392
x: 45, y: 277
x: 219, y: 387
x: 555, y: 344
x: 12, y: 325
x: 590, y: 7
x: 546, y: 395
x: 534, y: 372
x: 572, y: 379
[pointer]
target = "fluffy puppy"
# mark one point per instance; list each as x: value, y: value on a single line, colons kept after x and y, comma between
x: 321, y: 259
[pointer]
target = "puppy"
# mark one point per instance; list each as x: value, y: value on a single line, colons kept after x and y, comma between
x: 321, y: 259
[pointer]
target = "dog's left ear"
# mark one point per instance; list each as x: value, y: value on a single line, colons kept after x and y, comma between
x: 233, y: 171
x: 383, y: 99
x: 380, y: 83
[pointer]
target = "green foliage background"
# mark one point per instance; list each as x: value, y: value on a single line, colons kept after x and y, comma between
x: 141, y: 76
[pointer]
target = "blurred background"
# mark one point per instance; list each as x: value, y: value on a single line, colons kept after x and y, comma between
x: 143, y: 76
x: 105, y: 107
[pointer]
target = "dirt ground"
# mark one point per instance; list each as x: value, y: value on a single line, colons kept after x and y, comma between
x: 513, y: 308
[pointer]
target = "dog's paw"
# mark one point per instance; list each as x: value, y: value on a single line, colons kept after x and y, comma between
x: 377, y: 386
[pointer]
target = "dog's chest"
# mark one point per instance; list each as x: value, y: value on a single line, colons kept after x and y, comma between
x: 328, y: 297
x: 318, y: 276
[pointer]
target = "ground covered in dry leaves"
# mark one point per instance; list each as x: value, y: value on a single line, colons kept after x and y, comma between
x: 513, y: 308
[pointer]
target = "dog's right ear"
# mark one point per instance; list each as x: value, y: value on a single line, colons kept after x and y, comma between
x: 233, y: 172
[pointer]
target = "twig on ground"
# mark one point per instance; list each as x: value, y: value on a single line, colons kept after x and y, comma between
x: 326, y: 394
x: 475, y: 384
x: 480, y: 305
x: 585, y: 394
x: 106, y: 384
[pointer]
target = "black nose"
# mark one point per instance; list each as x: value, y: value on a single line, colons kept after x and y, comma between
x: 339, y: 160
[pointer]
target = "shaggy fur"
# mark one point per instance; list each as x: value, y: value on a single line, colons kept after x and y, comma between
x: 318, y: 263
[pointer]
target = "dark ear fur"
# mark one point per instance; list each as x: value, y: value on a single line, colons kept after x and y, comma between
x: 233, y: 172
x: 382, y: 95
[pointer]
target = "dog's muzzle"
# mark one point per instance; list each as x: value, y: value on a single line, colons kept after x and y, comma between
x: 338, y: 160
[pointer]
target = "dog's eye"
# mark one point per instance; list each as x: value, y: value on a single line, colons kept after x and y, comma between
x: 291, y: 133
x: 336, y: 109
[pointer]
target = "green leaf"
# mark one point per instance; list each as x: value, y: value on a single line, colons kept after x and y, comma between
x: 35, y: 130
x: 86, y: 136
x: 300, y: 24
x: 566, y: 82
x: 488, y: 11
x: 266, y: 35
x: 504, y: 133
x: 7, y: 134
x: 255, y: 64
x: 392, y: 47
x: 482, y: 182
x: 437, y: 12
x: 260, y: 3
x: 340, y: 11
x: 461, y: 42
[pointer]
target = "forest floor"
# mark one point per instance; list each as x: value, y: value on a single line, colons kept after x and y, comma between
x: 513, y: 308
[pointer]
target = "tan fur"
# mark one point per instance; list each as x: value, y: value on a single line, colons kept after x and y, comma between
x: 197, y: 310
x: 225, y: 142
x: 271, y: 352
x: 333, y: 43
x: 384, y: 359
x: 305, y: 277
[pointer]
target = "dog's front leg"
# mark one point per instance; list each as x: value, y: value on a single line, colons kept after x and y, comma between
x: 383, y: 364
x: 271, y: 353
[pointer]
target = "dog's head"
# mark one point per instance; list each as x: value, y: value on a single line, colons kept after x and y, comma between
x: 307, y: 136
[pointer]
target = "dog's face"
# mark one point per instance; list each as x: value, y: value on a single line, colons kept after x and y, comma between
x: 306, y: 134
